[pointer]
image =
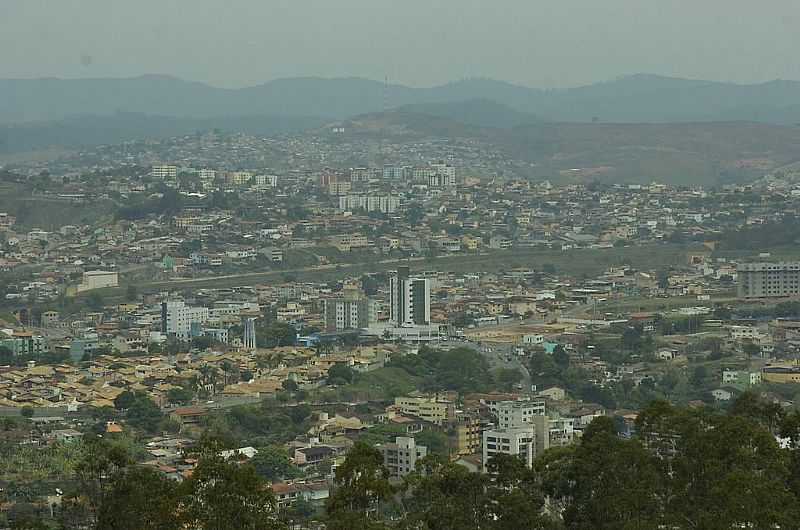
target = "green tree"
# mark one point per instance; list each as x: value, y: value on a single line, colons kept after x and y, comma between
x: 221, y: 495
x: 272, y: 463
x: 100, y: 462
x: 180, y: 396
x: 6, y: 356
x: 435, y: 441
x: 340, y: 374
x: 131, y: 292
x: 614, y: 483
x: 362, y: 483
x: 516, y: 494
x: 139, y: 499
x: 446, y: 496
x: 95, y: 301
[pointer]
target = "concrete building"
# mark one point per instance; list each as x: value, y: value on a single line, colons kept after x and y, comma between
x: 767, y: 280
x: 348, y: 312
x: 23, y: 343
x: 164, y: 172
x: 513, y: 414
x: 433, y: 409
x: 98, y: 280
x: 516, y: 442
x: 50, y: 319
x: 401, y: 457
x: 178, y: 319
x: 465, y: 435
x: 409, y: 299
x: 371, y: 203
x: 783, y: 373
x: 266, y: 181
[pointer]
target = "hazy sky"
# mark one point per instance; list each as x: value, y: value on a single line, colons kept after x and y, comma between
x: 417, y: 42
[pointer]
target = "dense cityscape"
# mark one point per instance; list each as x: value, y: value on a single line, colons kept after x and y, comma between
x: 372, y: 265
x: 295, y: 317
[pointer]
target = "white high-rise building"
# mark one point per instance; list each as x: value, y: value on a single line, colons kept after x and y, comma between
x: 177, y: 318
x: 372, y: 203
x: 519, y: 442
x: 447, y: 174
x: 409, y: 299
x: 515, y: 414
x: 401, y: 457
x: 164, y: 171
x: 266, y: 181
x: 207, y: 175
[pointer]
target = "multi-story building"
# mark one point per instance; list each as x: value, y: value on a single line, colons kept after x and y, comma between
x: 348, y: 242
x: 465, y: 435
x: 433, y: 409
x: 447, y: 172
x: 782, y: 373
x: 348, y: 312
x: 98, y: 280
x: 513, y: 414
x: 401, y: 457
x: 239, y: 178
x: 371, y: 203
x: 207, y: 175
x: 767, y: 280
x: 266, y: 181
x: 23, y: 343
x: 164, y: 172
x: 409, y: 299
x: 178, y: 319
x: 519, y: 442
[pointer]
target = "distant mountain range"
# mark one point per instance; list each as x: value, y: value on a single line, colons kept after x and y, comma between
x: 40, y: 112
x: 633, y: 99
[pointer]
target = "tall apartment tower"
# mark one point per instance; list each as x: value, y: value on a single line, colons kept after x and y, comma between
x: 348, y: 312
x: 768, y: 280
x: 249, y: 339
x: 409, y: 299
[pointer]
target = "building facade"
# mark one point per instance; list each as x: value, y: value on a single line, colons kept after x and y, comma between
x: 768, y: 280
x: 401, y: 457
x: 178, y: 319
x: 347, y: 313
x: 519, y: 442
x: 164, y: 172
x: 409, y: 299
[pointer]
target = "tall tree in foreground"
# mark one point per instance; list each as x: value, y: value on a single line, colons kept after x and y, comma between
x: 221, y: 495
x: 612, y: 483
x: 362, y: 483
x: 139, y: 499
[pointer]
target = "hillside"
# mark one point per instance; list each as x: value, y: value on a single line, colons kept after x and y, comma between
x: 633, y: 99
x: 79, y: 131
x: 684, y: 153
x: 478, y: 112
